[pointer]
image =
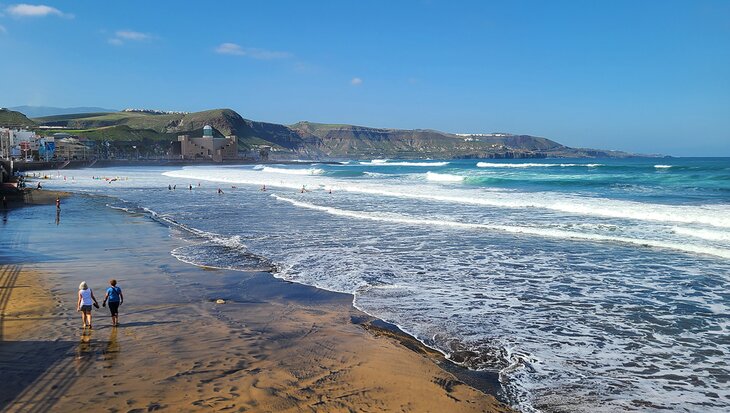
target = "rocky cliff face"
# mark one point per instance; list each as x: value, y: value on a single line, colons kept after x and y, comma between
x: 315, y: 140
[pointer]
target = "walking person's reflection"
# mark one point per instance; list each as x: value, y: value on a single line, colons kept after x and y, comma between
x: 84, y: 352
x: 111, y: 351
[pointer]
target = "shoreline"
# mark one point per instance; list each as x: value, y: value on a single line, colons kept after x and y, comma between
x: 333, y: 319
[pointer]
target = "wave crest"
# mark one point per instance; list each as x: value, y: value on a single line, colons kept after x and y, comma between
x: 432, y: 176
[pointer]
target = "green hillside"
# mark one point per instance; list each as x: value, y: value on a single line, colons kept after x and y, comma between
x: 10, y: 118
x: 307, y: 139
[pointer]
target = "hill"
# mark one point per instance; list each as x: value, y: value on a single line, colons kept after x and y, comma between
x: 38, y: 111
x: 11, y: 118
x: 313, y: 140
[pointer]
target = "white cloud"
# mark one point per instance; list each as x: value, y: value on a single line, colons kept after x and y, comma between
x: 356, y: 81
x: 230, y: 48
x: 261, y: 54
x: 122, y: 36
x: 132, y: 35
x: 35, y: 10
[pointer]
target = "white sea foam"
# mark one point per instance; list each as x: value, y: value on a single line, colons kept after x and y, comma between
x: 433, y: 176
x: 310, y: 171
x: 534, y: 165
x: 662, y: 166
x: 706, y: 234
x: 385, y: 162
x: 375, y: 174
x: 543, y: 232
x: 713, y: 215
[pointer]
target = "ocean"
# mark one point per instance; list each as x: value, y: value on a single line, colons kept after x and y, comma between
x: 589, y: 285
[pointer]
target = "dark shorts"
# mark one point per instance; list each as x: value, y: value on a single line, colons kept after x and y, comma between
x: 114, y: 307
x: 86, y: 308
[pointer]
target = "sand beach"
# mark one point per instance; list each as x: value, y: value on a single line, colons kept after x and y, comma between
x: 272, y: 346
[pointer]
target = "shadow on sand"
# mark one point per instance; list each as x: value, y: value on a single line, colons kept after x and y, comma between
x: 35, y: 374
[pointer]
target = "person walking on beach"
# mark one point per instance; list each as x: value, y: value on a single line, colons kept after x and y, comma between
x: 58, y: 203
x: 86, y: 299
x: 116, y: 298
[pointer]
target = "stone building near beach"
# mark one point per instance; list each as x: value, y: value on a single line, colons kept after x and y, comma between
x: 206, y: 147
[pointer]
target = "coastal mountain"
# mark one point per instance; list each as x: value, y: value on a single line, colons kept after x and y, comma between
x: 38, y: 111
x: 311, y: 140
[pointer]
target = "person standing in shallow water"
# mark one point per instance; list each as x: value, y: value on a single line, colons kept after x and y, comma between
x: 116, y: 298
x: 86, y: 299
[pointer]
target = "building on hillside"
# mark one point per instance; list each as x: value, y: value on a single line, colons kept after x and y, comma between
x: 71, y: 149
x: 207, y: 147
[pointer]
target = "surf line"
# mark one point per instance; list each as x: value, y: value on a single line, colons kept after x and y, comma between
x: 549, y: 233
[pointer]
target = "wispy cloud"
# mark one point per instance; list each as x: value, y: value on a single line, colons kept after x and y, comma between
x: 234, y: 49
x: 35, y: 10
x: 3, y: 29
x: 356, y: 81
x: 132, y: 35
x: 123, y: 36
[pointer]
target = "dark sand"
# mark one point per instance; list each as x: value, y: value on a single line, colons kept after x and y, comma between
x: 273, y: 346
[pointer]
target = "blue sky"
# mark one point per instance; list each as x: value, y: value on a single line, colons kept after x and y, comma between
x: 644, y: 76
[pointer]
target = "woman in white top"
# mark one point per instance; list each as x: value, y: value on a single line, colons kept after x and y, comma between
x: 86, y: 299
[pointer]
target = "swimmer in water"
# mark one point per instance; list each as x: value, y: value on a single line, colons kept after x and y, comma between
x: 220, y: 191
x: 263, y: 188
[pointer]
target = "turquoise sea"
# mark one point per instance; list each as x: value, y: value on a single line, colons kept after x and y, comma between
x: 589, y: 285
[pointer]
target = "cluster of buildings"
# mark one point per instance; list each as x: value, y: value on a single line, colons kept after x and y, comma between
x: 25, y: 145
x: 21, y: 144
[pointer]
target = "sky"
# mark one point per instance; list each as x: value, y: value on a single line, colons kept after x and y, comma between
x: 640, y: 76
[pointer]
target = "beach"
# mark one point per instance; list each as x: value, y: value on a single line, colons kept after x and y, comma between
x: 271, y: 345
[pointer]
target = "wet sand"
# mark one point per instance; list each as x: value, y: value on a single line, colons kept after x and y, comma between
x: 273, y: 345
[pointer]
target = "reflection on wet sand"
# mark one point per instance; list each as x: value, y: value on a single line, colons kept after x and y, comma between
x: 112, y: 349
x: 84, y: 351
